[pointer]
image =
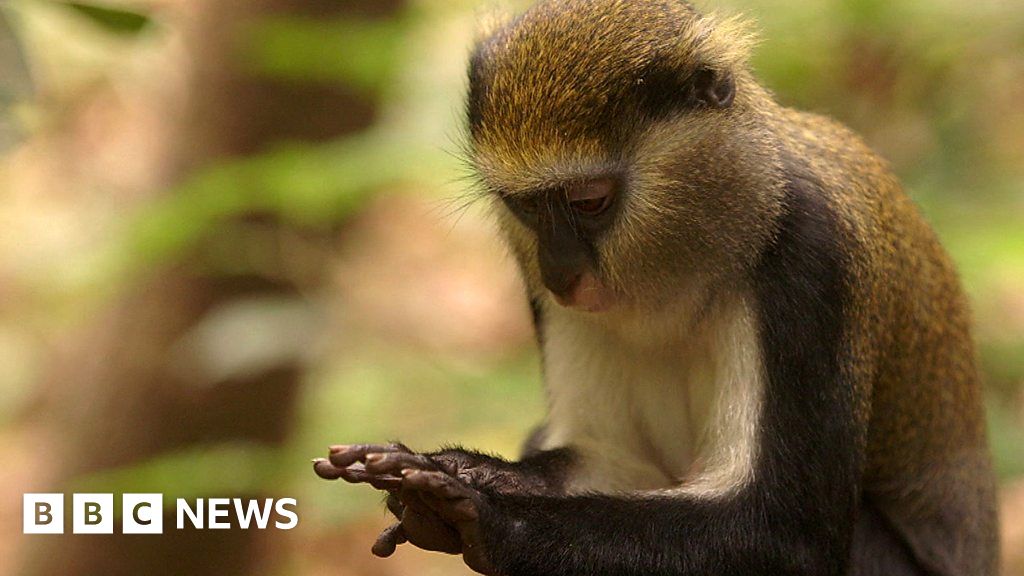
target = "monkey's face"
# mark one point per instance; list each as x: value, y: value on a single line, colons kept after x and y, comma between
x: 685, y: 207
x: 626, y: 161
x: 563, y: 225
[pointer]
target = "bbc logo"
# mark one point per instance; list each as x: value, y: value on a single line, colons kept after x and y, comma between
x: 144, y: 513
x: 93, y: 513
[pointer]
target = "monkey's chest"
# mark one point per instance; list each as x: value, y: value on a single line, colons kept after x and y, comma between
x: 638, y: 415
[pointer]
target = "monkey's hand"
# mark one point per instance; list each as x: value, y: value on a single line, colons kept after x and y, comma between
x: 436, y: 509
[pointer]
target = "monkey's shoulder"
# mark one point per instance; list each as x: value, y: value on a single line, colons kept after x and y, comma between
x: 858, y: 184
x: 879, y: 228
x: 835, y: 154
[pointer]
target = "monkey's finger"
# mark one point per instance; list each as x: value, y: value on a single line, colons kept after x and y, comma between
x: 436, y: 483
x: 456, y: 504
x: 412, y: 500
x: 343, y: 456
x: 393, y: 463
x: 395, y: 505
x: 474, y: 552
x: 445, y: 495
x: 326, y: 470
x: 430, y: 532
x: 355, y: 474
x: 389, y: 540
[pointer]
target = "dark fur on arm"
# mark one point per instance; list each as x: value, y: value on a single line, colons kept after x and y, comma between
x: 538, y: 473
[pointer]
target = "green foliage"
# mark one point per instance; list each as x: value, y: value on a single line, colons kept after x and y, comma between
x: 114, y: 20
x: 15, y: 81
x: 362, y: 53
x: 306, y: 185
x: 1007, y: 440
x: 315, y: 185
x: 918, y: 79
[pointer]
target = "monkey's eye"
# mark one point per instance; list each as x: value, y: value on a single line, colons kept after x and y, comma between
x: 591, y: 198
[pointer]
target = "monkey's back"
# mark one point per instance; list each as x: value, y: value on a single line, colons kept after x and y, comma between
x: 927, y: 464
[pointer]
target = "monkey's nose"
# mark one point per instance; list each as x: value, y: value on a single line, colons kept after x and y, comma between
x: 585, y: 293
x: 565, y: 290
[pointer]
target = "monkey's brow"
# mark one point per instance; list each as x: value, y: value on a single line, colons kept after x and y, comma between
x: 561, y: 185
x: 556, y: 187
x: 531, y: 193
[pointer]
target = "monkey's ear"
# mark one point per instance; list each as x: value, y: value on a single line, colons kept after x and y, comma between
x: 713, y: 88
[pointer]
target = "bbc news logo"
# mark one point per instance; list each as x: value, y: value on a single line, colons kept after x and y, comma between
x: 144, y: 513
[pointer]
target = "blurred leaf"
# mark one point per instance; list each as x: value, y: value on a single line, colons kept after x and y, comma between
x: 15, y: 81
x: 1007, y: 439
x: 115, y: 20
x: 310, y: 185
x: 10, y: 134
x: 980, y: 238
x: 868, y: 14
x: 362, y: 53
x: 1004, y: 372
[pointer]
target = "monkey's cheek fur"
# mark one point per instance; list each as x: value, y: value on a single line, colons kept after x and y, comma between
x: 589, y: 294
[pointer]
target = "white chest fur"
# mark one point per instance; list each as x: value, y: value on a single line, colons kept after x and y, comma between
x: 666, y: 409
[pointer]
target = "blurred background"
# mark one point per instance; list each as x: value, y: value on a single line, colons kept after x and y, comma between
x: 232, y: 233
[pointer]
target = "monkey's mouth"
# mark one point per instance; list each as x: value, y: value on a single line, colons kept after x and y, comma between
x: 586, y: 294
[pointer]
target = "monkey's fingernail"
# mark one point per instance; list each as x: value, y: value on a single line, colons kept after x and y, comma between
x: 318, y: 460
x: 374, y: 458
x: 406, y: 472
x: 337, y: 448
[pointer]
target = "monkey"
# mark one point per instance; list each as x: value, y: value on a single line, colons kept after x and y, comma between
x: 758, y: 358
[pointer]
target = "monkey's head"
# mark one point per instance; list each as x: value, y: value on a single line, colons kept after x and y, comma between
x: 627, y: 148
